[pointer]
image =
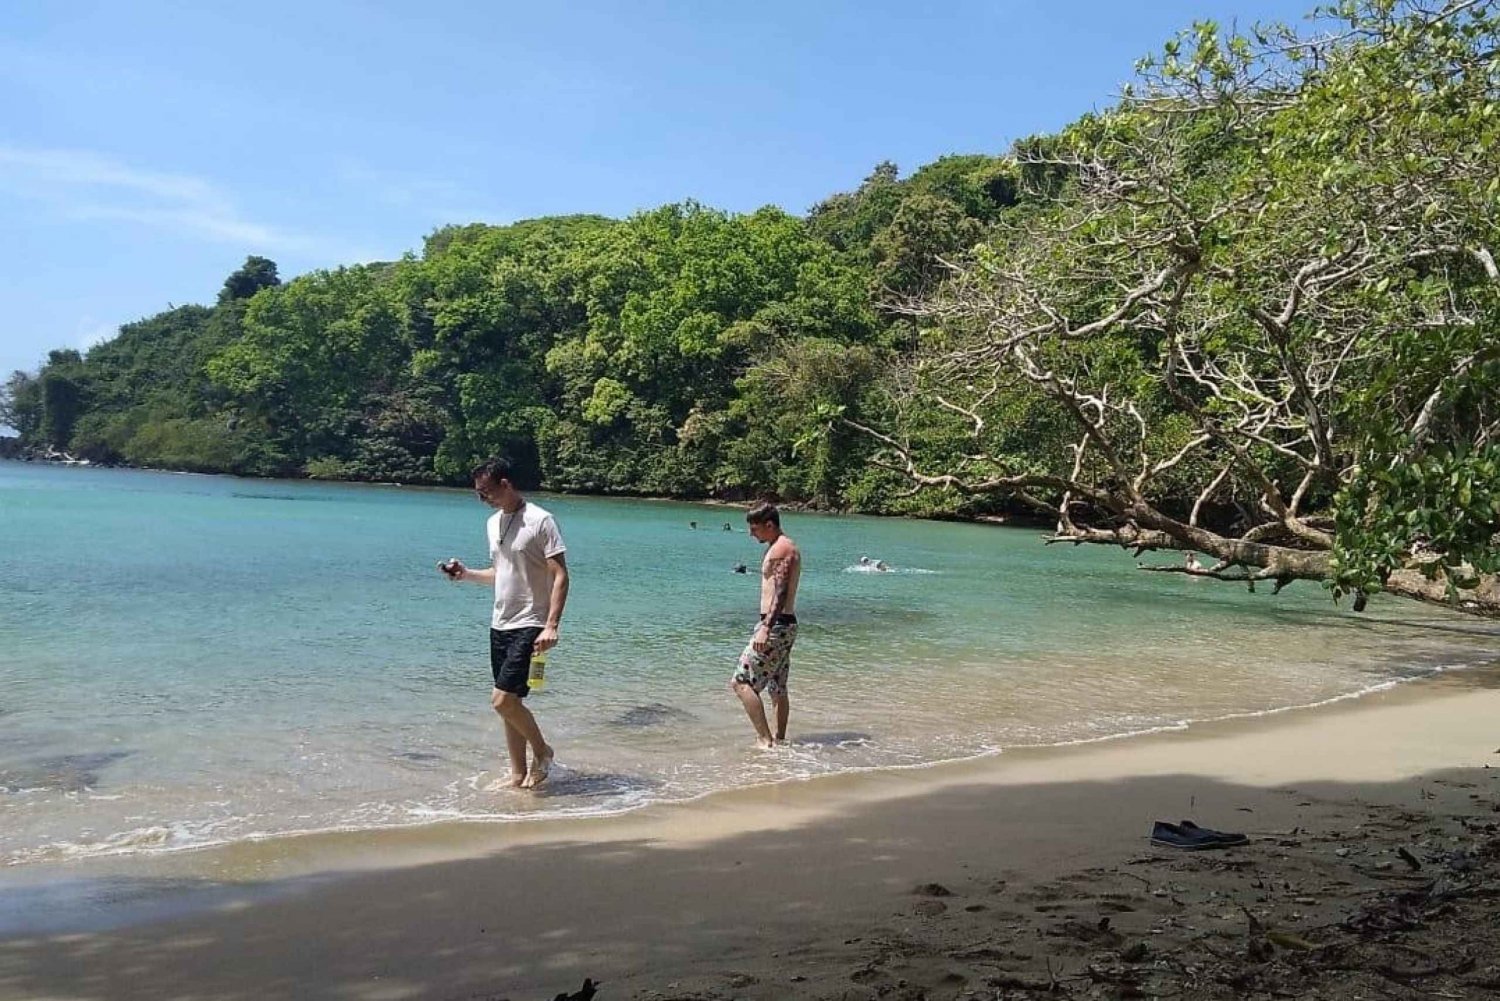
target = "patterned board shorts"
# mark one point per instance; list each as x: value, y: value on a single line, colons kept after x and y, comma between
x: 767, y: 671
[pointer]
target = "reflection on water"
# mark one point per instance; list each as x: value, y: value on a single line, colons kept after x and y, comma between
x: 655, y: 714
x: 68, y: 773
x: 833, y: 738
x: 604, y: 785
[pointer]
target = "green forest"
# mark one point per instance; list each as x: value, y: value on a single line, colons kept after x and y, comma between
x: 1250, y: 310
x: 682, y: 352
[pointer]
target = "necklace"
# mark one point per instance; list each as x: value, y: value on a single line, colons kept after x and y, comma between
x: 506, y: 523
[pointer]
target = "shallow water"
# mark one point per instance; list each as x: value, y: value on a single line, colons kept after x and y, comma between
x: 190, y: 660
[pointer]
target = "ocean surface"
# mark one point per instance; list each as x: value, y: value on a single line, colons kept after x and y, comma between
x: 190, y: 660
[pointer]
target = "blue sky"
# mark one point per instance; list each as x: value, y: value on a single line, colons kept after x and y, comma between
x: 147, y: 147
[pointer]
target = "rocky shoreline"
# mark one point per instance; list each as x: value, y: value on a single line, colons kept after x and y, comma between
x: 11, y: 448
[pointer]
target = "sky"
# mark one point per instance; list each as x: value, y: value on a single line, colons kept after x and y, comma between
x: 147, y: 148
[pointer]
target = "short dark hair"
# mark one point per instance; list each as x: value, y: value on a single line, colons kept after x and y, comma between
x: 764, y: 512
x: 497, y: 468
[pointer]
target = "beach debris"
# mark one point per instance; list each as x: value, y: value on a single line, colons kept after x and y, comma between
x: 1287, y: 940
x: 932, y: 890
x: 584, y: 993
x: 930, y: 908
x: 1256, y: 946
x: 1084, y: 932
x: 1378, y: 925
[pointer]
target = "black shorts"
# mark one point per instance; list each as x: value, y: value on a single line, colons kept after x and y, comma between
x: 510, y: 658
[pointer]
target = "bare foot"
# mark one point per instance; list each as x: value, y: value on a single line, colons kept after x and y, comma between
x: 765, y: 743
x: 540, y: 766
x: 500, y: 785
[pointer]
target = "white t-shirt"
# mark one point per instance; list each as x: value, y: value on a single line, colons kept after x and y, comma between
x: 520, y: 544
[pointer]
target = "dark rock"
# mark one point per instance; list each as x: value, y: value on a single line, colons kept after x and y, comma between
x: 932, y: 890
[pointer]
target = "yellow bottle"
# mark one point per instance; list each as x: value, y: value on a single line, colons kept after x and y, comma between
x: 537, y: 679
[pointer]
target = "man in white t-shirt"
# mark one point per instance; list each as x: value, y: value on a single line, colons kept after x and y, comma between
x: 530, y: 576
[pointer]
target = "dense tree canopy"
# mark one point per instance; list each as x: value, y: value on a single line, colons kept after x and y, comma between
x: 1256, y: 319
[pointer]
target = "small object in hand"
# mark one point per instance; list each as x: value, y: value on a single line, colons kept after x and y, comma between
x: 451, y: 567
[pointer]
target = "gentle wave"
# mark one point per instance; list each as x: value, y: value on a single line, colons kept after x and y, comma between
x: 185, y: 836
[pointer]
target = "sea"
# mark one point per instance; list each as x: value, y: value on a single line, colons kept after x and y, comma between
x: 189, y: 661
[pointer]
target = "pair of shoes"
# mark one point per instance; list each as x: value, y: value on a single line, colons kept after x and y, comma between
x: 1190, y: 837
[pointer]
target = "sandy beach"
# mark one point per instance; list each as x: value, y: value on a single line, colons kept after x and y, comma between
x: 1373, y: 869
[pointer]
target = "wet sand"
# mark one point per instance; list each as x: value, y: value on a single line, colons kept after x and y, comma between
x: 1026, y: 874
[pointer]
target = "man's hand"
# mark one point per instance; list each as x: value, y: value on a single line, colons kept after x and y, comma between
x: 453, y: 569
x: 546, y: 639
x: 761, y: 641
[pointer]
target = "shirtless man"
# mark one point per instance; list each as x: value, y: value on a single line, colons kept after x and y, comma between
x: 766, y: 660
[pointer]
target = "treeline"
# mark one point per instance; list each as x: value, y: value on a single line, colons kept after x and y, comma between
x: 683, y: 351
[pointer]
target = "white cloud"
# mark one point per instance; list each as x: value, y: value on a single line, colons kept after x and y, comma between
x: 84, y: 185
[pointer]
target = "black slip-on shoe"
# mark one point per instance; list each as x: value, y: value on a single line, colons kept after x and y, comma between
x: 1223, y: 837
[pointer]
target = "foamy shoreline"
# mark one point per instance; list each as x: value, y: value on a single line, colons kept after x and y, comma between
x: 266, y: 848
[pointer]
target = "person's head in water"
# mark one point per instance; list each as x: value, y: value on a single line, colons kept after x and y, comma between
x: 764, y: 521
x: 692, y: 524
x: 864, y: 561
x: 492, y: 482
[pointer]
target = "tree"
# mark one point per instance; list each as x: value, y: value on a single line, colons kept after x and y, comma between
x: 21, y: 404
x: 255, y: 274
x: 849, y: 221
x: 61, y: 406
x: 1261, y: 293
x: 909, y: 253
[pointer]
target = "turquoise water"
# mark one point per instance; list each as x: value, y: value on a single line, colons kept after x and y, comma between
x: 191, y: 660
